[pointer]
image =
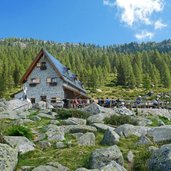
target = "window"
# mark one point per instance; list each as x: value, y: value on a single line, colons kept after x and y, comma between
x: 43, y: 98
x: 52, y: 81
x: 34, y: 81
x: 43, y: 66
x: 53, y: 99
x: 33, y: 100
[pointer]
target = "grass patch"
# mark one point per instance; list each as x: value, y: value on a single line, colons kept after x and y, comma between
x: 74, y: 157
x: 141, y: 153
x: 67, y: 113
x: 156, y: 120
x: 18, y: 130
x: 119, y: 120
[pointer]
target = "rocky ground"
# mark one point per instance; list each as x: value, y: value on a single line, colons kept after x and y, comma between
x: 83, y: 139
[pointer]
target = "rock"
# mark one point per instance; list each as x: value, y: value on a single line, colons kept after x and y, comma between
x: 22, y: 121
x: 77, y: 135
x: 88, y: 139
x: 152, y: 149
x: 112, y: 166
x: 52, y: 166
x: 22, y: 143
x: 155, y: 112
x: 102, y: 127
x: 144, y: 121
x: 41, y: 105
x: 127, y: 130
x: 40, y: 137
x: 26, y: 168
x: 110, y: 137
x: 78, y: 128
x: 144, y: 140
x: 54, y: 132
x: 84, y: 169
x: 36, y: 118
x: 74, y: 121
x: 46, y: 168
x: 2, y: 109
x: 19, y: 105
x: 54, y: 122
x: 49, y: 106
x: 161, y: 159
x: 124, y: 111
x: 58, y: 166
x: 61, y: 145
x: 8, y: 158
x: 130, y: 156
x: 94, y: 109
x: 160, y: 134
x: 44, y: 115
x: 96, y: 118
x: 44, y: 144
x: 102, y: 157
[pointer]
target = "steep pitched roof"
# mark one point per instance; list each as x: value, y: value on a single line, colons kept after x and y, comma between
x: 61, y: 70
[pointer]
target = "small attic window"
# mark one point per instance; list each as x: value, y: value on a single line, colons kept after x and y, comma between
x: 43, y: 66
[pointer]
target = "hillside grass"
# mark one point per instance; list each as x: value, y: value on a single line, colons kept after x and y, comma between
x: 73, y: 157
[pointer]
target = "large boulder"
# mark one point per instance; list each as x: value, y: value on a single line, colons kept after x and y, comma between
x: 44, y: 115
x: 112, y: 166
x: 22, y: 143
x: 102, y: 127
x: 78, y: 128
x: 160, y: 134
x: 45, y: 168
x: 88, y: 139
x: 102, y: 157
x: 52, y: 166
x: 98, y: 118
x: 110, y: 138
x: 8, y: 158
x: 19, y: 105
x: 127, y: 130
x: 161, y: 159
x: 124, y: 111
x: 55, y: 132
x: 155, y: 112
x: 94, y: 109
x: 74, y: 121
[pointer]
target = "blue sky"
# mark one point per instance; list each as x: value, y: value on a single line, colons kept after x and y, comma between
x: 102, y: 22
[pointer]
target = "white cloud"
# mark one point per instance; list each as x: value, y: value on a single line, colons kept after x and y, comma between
x: 139, y: 15
x: 138, y: 10
x: 144, y: 35
x: 108, y: 3
x: 159, y: 25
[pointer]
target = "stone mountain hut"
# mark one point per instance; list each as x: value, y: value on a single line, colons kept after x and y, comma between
x: 48, y: 80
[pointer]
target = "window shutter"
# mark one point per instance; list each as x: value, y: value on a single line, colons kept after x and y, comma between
x: 37, y: 80
x: 38, y: 64
x: 48, y: 80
